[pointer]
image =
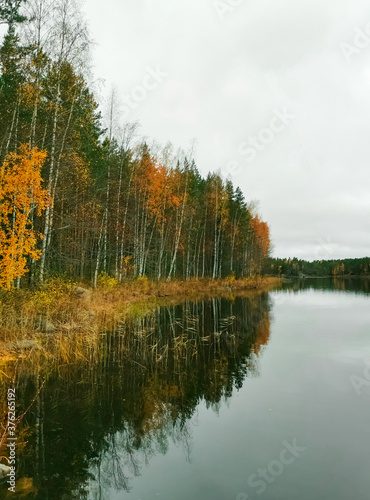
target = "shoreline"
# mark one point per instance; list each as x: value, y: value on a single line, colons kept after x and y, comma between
x: 62, y: 322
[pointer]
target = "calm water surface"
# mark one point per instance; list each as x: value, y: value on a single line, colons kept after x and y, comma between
x: 262, y: 396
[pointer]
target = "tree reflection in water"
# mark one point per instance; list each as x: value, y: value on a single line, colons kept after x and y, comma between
x: 94, y: 426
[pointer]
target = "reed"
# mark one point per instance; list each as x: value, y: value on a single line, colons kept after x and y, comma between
x: 55, y: 324
x: 156, y: 356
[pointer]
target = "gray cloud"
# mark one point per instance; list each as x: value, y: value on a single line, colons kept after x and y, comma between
x: 227, y: 78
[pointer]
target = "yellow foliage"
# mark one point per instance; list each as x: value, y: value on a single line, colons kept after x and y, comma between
x: 58, y: 286
x: 53, y: 291
x: 106, y: 281
x: 21, y: 194
x: 142, y: 279
x: 42, y: 300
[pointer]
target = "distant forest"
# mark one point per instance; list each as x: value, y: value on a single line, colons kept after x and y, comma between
x: 299, y: 268
x: 81, y: 195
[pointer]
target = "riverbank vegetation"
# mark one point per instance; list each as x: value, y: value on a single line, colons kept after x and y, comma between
x: 109, y: 202
x: 145, y: 332
x: 63, y: 322
x: 136, y: 397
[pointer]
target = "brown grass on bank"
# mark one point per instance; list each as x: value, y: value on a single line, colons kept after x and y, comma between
x: 62, y: 322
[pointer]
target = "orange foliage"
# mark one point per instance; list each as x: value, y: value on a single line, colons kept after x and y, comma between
x: 262, y: 334
x: 157, y: 181
x: 21, y: 194
x: 160, y: 185
x: 262, y: 234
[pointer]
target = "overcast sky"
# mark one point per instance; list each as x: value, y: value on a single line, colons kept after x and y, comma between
x: 277, y: 94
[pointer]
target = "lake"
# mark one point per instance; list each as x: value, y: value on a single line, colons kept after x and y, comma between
x: 264, y: 395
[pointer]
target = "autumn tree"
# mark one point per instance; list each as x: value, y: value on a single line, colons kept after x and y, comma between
x: 21, y: 194
x: 260, y: 244
x: 118, y: 205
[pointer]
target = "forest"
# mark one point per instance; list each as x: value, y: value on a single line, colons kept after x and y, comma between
x: 83, y: 195
x: 336, y: 267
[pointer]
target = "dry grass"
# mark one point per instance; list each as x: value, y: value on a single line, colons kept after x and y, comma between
x: 76, y: 319
x: 82, y: 322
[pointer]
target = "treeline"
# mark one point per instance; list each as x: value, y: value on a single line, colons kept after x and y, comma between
x: 116, y: 205
x: 336, y: 267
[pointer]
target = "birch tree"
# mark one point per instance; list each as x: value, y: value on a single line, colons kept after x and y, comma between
x: 20, y: 193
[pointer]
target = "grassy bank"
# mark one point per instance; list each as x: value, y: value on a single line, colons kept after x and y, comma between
x: 62, y: 322
x: 70, y: 332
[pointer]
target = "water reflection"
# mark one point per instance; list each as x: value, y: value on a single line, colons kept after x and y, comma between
x: 359, y: 286
x: 94, y: 426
